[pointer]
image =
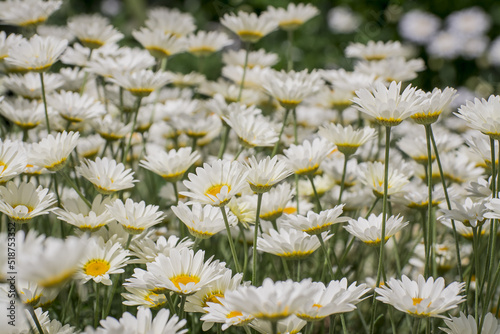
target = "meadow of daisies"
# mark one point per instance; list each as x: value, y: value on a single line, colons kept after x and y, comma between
x: 138, y: 199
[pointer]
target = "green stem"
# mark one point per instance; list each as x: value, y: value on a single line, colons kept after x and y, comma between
x: 295, y: 133
x: 342, y: 181
x: 129, y: 142
x: 181, y: 307
x: 274, y: 327
x: 193, y: 145
x: 239, y: 152
x: 96, y: 308
x: 275, y: 148
x: 316, y: 196
x: 327, y: 261
x: 68, y: 300
x: 430, y: 225
x: 344, y: 327
x: 31, y: 310
x: 73, y: 185
x: 255, y: 235
x: 476, y: 270
x: 225, y: 137
x: 230, y: 239
x: 45, y: 102
x: 290, y: 50
x: 448, y: 203
x: 245, y: 65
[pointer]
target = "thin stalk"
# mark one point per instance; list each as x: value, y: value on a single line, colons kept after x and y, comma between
x: 129, y: 142
x: 316, y: 196
x: 193, y: 145
x: 68, y: 300
x: 225, y: 137
x: 342, y: 181
x: 430, y: 225
x: 245, y: 65
x: 295, y: 133
x: 476, y: 271
x: 344, y: 326
x: 96, y: 307
x: 245, y: 249
x: 327, y: 262
x: 290, y: 50
x: 275, y: 148
x: 274, y: 327
x: 255, y: 235
x: 448, y: 203
x: 31, y: 310
x: 73, y: 185
x: 239, y: 152
x: 230, y: 239
x: 384, y: 218
x: 181, y: 307
x: 44, y: 102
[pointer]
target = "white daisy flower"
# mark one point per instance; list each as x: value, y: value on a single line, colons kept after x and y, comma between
x: 77, y: 213
x: 93, y: 31
x: 370, y: 230
x: 305, y: 159
x: 421, y: 298
x: 293, y: 16
x: 141, y: 83
x: 291, y: 88
x: 123, y: 60
x: 111, y: 129
x: 52, y: 152
x: 217, y: 183
x: 445, y: 44
x: 387, y: 105
x: 391, y: 69
x: 291, y: 324
x: 335, y: 298
x: 274, y: 202
x: 159, y: 44
x: 346, y: 139
x: 171, y: 165
x: 13, y: 160
x: 433, y: 104
x: 259, y: 58
x: 376, y: 50
x: 252, y: 130
x: 135, y: 217
x: 418, y: 26
x: 29, y: 85
x: 315, y: 223
x: 254, y: 77
x: 27, y: 13
x: 204, y: 43
x: 36, y: 54
x: 248, y: 26
x: 25, y: 201
x: 290, y: 243
x: 473, y: 21
x: 88, y: 147
x: 7, y: 42
x: 472, y: 213
x: 107, y: 175
x: 101, y: 260
x: 482, y: 115
x: 27, y: 114
x: 273, y: 300
x: 343, y: 20
x: 146, y: 250
x: 184, y: 272
x: 202, y: 222
x: 144, y: 322
x: 170, y: 21
x: 223, y: 313
x: 266, y: 173
x: 75, y: 107
x: 467, y: 325
x: 60, y: 32
x: 372, y: 175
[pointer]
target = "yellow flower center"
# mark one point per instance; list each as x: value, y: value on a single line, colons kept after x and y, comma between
x: 317, y: 305
x: 212, y: 297
x: 290, y: 210
x: 417, y: 301
x: 184, y: 280
x: 233, y: 314
x: 215, y: 189
x: 96, y: 267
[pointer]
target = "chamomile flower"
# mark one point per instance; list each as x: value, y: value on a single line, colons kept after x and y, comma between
x: 392, y: 69
x: 375, y: 50
x: 291, y: 88
x: 77, y: 213
x: 421, y: 298
x: 171, y: 165
x: 27, y: 114
x: 248, y: 26
x: 36, y: 54
x: 23, y: 202
x: 184, y: 272
x: 418, y: 26
x: 290, y: 243
x: 111, y: 129
x: 7, y: 42
x: 75, y: 107
x: 346, y: 139
x: 144, y: 297
x: 272, y: 301
x: 293, y: 16
x: 266, y: 173
x: 135, y: 217
x: 370, y: 230
x: 223, y: 313
x: 305, y: 159
x: 467, y: 325
x: 472, y: 21
x: 204, y: 43
x: 316, y: 223
x: 29, y: 85
x: 343, y: 20
x: 141, y: 83
x: 159, y: 44
x: 289, y: 325
x: 202, y: 222
x: 252, y: 130
x: 471, y: 213
x: 101, y: 260
x: 372, y: 175
x: 146, y: 250
x: 259, y: 58
x: 213, y: 292
x: 335, y: 298
x: 52, y: 152
x: 432, y: 105
x: 93, y: 31
x: 274, y: 202
x: 482, y: 115
x: 217, y: 183
x: 144, y: 322
x: 27, y: 13
x: 107, y: 175
x: 170, y: 21
x: 13, y: 160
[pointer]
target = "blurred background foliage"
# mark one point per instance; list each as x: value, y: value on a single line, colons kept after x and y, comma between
x: 315, y: 44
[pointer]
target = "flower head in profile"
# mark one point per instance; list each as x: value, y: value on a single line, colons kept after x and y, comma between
x: 170, y: 21
x: 370, y: 230
x: 27, y: 13
x: 36, y: 54
x: 389, y: 106
x: 171, y: 165
x: 217, y: 183
x: 433, y: 104
x: 471, y: 213
x: 305, y: 159
x: 482, y: 115
x: 252, y: 130
x: 159, y: 44
x: 376, y: 50
x: 141, y: 83
x: 421, y: 298
x: 468, y: 325
x: 293, y: 16
x: 107, y: 175
x: 204, y: 43
x: 347, y: 139
x: 77, y: 213
x: 135, y: 217
x: 315, y: 223
x: 372, y: 175
x: 75, y: 107
x: 248, y: 26
x: 93, y: 31
x: 13, y: 160
x: 52, y: 152
x: 266, y: 173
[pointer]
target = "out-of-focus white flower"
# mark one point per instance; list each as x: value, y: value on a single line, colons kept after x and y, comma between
x: 204, y: 43
x: 418, y: 26
x: 93, y: 31
x: 343, y: 20
x: 248, y: 26
x: 27, y: 13
x: 293, y: 16
x: 445, y: 44
x: 467, y: 325
x: 468, y: 22
x: 36, y: 54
